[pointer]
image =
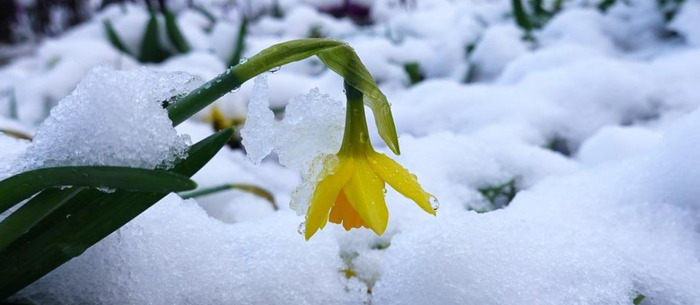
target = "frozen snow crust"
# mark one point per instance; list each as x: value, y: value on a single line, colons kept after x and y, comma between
x: 596, y: 128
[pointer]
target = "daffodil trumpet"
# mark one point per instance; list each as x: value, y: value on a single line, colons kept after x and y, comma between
x: 351, y: 191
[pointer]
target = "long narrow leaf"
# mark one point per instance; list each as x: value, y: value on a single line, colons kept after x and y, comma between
x: 255, y: 190
x: 240, y: 43
x: 24, y: 185
x: 32, y: 212
x: 174, y: 33
x: 16, y: 134
x: 521, y: 16
x: 114, y: 38
x: 83, y: 221
x: 151, y: 50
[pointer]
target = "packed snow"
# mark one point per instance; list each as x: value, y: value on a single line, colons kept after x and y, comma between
x: 565, y: 164
x: 113, y: 118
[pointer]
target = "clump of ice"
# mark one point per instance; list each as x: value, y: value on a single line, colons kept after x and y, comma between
x: 113, y: 118
x: 312, y: 127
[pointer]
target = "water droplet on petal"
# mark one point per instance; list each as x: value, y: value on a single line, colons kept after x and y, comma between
x: 234, y: 90
x: 302, y: 228
x: 275, y: 69
x: 434, y: 203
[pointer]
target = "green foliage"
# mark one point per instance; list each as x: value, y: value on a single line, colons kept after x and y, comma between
x: 24, y: 185
x: 415, y: 74
x: 501, y: 195
x: 151, y: 50
x: 81, y: 218
x: 560, y: 145
x: 174, y: 33
x: 114, y: 38
x: 240, y: 43
x: 669, y: 8
x: 534, y: 18
x: 276, y: 11
x: 604, y: 5
x: 638, y: 300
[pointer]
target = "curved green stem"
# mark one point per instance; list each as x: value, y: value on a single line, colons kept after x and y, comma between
x: 338, y: 56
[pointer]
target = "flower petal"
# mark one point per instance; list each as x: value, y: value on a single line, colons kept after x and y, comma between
x: 365, y: 191
x: 325, y: 195
x: 400, y: 179
x: 342, y: 212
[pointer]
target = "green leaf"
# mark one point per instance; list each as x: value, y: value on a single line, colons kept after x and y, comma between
x: 114, y: 38
x: 604, y: 5
x: 337, y: 55
x: 240, y: 43
x: 151, y: 50
x: 638, y: 300
x: 255, y: 190
x: 32, y: 212
x: 344, y: 61
x: 174, y: 33
x: 521, y: 16
x: 83, y: 220
x: 24, y: 185
x: 415, y: 74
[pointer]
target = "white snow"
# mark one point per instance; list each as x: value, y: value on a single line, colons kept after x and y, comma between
x: 112, y: 118
x: 595, y: 122
x: 259, y: 262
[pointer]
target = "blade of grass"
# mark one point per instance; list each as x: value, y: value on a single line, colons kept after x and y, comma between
x: 521, y: 16
x: 174, y: 33
x: 255, y: 190
x: 114, y: 38
x: 32, y: 212
x: 24, y: 185
x: 16, y: 134
x: 240, y: 43
x: 151, y: 50
x: 83, y: 221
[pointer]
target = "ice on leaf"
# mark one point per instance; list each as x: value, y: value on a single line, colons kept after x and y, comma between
x: 113, y: 118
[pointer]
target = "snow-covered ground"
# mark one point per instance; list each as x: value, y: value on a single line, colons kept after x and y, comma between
x: 592, y: 124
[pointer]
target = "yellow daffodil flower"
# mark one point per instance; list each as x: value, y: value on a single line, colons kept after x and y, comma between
x: 351, y: 191
x: 219, y: 121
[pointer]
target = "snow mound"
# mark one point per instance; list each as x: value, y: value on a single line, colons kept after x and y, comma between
x: 600, y: 237
x: 113, y: 118
x: 259, y: 262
